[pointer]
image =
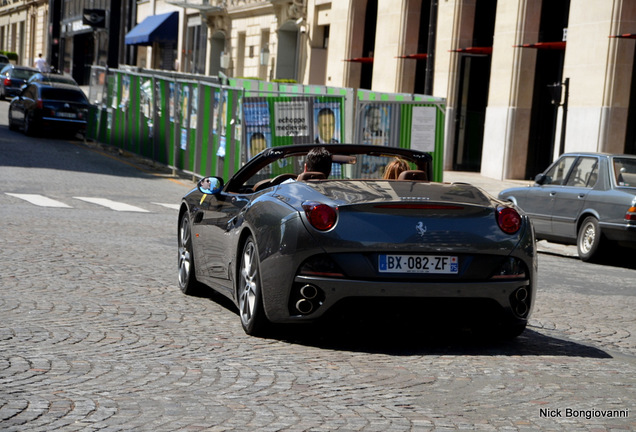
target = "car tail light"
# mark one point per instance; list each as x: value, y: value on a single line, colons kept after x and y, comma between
x: 508, y: 219
x: 631, y: 214
x: 320, y: 216
x: 7, y: 82
x: 39, y: 104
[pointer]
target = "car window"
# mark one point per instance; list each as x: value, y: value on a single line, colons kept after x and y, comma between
x: 68, y: 95
x: 556, y: 175
x: 625, y: 172
x: 584, y: 173
x: 21, y: 74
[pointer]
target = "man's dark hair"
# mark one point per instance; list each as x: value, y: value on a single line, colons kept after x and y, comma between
x: 319, y: 159
x: 326, y: 111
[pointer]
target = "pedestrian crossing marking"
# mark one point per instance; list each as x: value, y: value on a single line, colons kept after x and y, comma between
x: 114, y: 205
x: 39, y: 200
x: 170, y: 206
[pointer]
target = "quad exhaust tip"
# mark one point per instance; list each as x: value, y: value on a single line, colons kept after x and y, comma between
x: 309, y: 300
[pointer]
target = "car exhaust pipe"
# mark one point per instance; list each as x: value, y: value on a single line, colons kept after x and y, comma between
x: 522, y: 294
x: 520, y: 302
x: 304, y: 306
x: 309, y: 292
x: 521, y: 309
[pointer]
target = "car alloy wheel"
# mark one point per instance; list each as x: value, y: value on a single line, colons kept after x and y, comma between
x: 589, y: 239
x: 249, y: 290
x: 187, y: 279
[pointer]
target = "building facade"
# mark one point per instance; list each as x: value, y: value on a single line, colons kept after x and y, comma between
x: 23, y: 29
x: 524, y: 80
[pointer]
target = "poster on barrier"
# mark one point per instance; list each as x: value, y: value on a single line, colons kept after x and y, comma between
x: 377, y: 120
x: 423, y: 128
x: 326, y: 122
x: 125, y: 92
x: 185, y: 105
x: 194, y: 106
x: 220, y: 115
x: 171, y: 96
x: 146, y: 97
x: 291, y: 118
x: 257, y: 127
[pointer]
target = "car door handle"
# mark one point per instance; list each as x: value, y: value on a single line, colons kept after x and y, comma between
x: 552, y: 194
x: 581, y: 196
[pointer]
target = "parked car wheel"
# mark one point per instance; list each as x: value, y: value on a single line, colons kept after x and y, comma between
x: 12, y: 125
x: 187, y: 280
x: 589, y: 239
x: 28, y: 126
x: 249, y: 290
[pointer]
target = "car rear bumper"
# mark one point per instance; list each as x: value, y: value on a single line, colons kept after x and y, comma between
x: 514, y: 298
x: 620, y: 233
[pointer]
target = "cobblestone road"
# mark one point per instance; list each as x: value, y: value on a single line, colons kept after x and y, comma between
x: 96, y: 335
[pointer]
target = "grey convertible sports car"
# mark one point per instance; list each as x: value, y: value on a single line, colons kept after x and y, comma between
x: 587, y: 199
x: 288, y: 246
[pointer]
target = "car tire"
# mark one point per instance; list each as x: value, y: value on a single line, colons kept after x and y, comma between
x: 188, y: 282
x: 249, y: 290
x: 28, y: 127
x: 511, y: 331
x: 588, y: 241
x: 12, y: 125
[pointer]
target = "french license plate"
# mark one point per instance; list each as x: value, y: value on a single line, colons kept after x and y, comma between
x: 67, y: 115
x: 418, y: 264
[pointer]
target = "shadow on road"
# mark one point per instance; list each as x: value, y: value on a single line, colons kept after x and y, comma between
x: 407, y: 341
x: 415, y: 336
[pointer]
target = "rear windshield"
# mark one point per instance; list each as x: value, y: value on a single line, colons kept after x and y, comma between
x: 21, y: 74
x: 68, y: 95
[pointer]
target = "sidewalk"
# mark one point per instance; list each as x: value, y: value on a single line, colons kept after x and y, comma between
x: 493, y: 187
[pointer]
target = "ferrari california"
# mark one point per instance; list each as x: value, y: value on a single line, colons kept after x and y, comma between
x: 287, y: 245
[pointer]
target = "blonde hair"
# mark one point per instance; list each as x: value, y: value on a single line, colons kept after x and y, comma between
x: 393, y: 169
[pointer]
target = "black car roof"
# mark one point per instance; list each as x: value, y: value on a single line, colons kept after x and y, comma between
x: 54, y: 84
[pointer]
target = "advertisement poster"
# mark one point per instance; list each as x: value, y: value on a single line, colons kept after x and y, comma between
x: 327, y: 122
x: 185, y: 105
x: 184, y: 139
x: 423, y: 129
x: 171, y: 102
x: 114, y: 101
x: 291, y: 119
x: 147, y: 104
x: 125, y: 92
x: 377, y: 120
x: 194, y: 106
x: 257, y: 128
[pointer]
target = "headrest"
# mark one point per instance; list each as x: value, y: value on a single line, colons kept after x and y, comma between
x: 311, y: 175
x: 413, y: 175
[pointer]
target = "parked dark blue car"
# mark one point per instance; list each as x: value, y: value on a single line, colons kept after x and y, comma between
x: 13, y: 78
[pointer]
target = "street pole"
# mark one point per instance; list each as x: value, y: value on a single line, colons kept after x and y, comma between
x: 430, y: 50
x: 564, y: 116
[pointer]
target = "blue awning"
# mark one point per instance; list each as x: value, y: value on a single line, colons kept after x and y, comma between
x: 162, y: 29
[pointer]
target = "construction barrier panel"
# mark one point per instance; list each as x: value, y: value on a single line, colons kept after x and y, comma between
x: 211, y: 126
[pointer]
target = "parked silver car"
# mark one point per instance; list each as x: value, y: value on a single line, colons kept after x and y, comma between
x: 587, y: 199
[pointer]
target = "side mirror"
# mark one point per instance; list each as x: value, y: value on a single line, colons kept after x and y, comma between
x: 210, y: 185
x: 540, y: 179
